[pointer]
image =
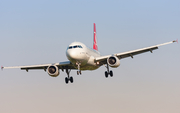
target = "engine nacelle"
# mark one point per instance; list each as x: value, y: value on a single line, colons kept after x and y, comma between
x: 53, y: 71
x: 113, y: 61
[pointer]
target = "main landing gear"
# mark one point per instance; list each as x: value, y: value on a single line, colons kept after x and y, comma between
x: 108, y: 72
x: 69, y: 78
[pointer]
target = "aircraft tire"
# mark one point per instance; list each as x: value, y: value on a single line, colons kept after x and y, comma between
x: 71, y: 79
x: 106, y: 74
x: 66, y: 80
x: 77, y: 72
x: 111, y: 73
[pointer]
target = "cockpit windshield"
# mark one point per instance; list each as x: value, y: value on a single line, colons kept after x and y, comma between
x: 76, y: 46
x: 70, y: 47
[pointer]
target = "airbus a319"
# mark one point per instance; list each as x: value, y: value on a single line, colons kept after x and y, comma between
x: 83, y: 58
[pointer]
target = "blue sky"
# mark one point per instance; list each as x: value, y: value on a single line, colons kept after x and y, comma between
x: 39, y: 31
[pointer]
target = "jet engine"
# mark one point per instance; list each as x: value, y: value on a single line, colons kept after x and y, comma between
x: 113, y: 61
x: 53, y: 71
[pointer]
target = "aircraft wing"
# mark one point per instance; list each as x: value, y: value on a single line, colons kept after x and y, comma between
x: 103, y: 59
x: 60, y: 65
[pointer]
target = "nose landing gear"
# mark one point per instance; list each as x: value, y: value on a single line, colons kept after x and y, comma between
x: 79, y: 71
x: 108, y: 72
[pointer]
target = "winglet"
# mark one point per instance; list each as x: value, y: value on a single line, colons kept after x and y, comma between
x: 176, y: 41
x: 95, y: 47
x: 2, y: 67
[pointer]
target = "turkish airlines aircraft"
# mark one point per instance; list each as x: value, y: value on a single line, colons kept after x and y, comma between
x: 83, y: 58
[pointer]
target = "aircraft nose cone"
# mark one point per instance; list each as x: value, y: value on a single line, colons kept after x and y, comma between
x: 72, y: 54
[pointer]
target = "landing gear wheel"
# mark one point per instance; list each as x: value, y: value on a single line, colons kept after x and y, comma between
x: 77, y: 72
x: 106, y: 74
x: 66, y: 80
x: 111, y: 73
x: 71, y: 79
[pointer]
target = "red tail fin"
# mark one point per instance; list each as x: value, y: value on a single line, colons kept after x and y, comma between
x: 95, y: 47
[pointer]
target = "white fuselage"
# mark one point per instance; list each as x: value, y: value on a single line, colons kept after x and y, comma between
x: 78, y: 53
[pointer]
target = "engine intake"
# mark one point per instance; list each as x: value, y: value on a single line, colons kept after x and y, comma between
x: 53, y: 71
x: 113, y: 61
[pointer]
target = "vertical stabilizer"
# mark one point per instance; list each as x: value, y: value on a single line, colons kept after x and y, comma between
x: 95, y: 47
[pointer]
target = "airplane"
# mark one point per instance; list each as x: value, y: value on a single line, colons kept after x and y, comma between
x: 83, y: 58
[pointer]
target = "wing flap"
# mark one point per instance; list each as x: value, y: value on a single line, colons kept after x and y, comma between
x: 103, y: 59
x: 43, y: 66
x: 61, y: 65
x: 135, y: 52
